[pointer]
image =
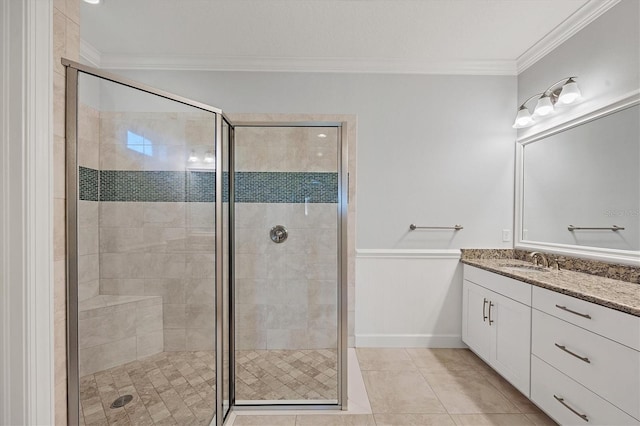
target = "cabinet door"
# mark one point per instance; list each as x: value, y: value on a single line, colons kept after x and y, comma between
x: 475, y: 327
x: 511, y: 346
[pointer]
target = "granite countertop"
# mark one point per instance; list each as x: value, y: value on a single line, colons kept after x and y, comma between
x: 619, y: 295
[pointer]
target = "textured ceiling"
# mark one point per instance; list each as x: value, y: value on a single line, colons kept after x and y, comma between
x: 340, y: 30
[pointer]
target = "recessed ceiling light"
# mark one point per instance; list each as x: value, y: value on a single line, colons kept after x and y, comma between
x: 92, y: 1
x: 322, y: 135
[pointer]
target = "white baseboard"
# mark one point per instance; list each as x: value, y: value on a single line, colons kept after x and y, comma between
x: 409, y: 341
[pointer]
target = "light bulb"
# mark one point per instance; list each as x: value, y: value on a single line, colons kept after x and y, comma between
x: 570, y: 92
x: 193, y: 157
x: 208, y: 157
x: 92, y: 1
x: 544, y: 106
x: 523, y: 119
x: 322, y: 135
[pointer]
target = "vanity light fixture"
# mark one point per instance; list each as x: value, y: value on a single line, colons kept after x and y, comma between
x: 570, y: 92
x: 544, y: 106
x: 564, y: 94
x: 208, y: 157
x: 92, y: 1
x: 193, y: 158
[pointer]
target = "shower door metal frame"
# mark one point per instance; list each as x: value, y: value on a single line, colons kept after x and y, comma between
x: 343, y: 263
x: 72, y: 69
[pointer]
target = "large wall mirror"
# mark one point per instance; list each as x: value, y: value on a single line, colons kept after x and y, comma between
x: 579, y: 186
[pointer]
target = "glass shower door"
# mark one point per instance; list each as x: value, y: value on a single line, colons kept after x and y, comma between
x: 287, y: 274
x: 205, y: 264
x: 144, y: 235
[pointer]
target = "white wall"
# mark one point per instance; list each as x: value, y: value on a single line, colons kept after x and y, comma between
x: 434, y: 150
x: 605, y: 56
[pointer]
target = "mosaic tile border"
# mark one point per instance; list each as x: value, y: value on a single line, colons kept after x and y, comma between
x: 199, y: 186
x: 286, y: 187
x: 88, y: 180
x: 142, y: 186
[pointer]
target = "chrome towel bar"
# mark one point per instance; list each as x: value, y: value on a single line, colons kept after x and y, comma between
x: 413, y: 227
x: 612, y: 228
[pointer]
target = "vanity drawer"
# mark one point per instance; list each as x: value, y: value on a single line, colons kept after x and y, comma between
x: 513, y: 289
x: 615, y: 325
x: 607, y: 368
x: 549, y: 386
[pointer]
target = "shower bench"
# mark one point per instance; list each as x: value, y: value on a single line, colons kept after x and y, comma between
x: 114, y: 330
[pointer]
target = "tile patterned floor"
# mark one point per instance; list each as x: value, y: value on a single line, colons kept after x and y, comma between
x: 286, y: 375
x: 425, y: 387
x: 405, y: 387
x: 179, y: 387
x: 170, y: 388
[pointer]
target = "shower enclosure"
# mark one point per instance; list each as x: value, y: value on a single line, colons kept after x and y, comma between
x: 205, y: 259
x: 286, y: 263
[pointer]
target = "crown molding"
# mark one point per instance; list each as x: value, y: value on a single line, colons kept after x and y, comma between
x: 570, y: 26
x: 290, y: 64
x: 565, y: 30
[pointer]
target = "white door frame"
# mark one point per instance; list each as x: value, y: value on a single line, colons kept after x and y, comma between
x: 26, y: 287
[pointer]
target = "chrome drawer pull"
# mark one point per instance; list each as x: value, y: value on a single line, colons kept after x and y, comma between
x: 564, y: 308
x: 561, y: 401
x: 564, y: 348
x: 484, y: 306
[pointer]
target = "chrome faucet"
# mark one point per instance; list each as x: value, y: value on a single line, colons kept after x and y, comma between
x: 539, y: 259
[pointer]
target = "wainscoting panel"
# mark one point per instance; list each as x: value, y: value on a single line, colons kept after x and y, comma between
x: 408, y: 298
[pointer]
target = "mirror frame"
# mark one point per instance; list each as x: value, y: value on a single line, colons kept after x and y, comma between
x: 626, y: 257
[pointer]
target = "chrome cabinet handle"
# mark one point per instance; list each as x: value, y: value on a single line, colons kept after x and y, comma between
x: 561, y: 401
x: 564, y: 348
x: 564, y: 308
x: 484, y: 306
x: 490, y: 305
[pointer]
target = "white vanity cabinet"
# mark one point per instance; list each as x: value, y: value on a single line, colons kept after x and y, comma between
x: 585, y: 361
x: 496, y: 323
x: 576, y: 360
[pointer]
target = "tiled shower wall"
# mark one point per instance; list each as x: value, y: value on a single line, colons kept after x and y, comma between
x: 350, y: 123
x: 88, y: 231
x: 286, y: 294
x: 155, y: 241
x: 152, y: 241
